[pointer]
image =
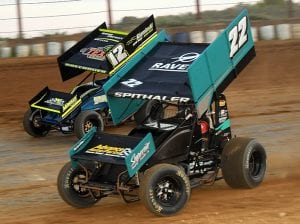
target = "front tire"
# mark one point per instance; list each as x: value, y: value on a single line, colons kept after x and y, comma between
x: 68, y: 185
x: 85, y: 121
x: 165, y: 189
x: 243, y: 163
x: 32, y: 124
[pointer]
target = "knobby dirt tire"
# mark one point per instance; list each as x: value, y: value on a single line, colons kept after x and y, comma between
x: 243, y: 163
x: 68, y: 192
x: 31, y: 129
x: 165, y: 189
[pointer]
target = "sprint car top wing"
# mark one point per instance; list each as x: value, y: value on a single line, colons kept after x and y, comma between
x: 102, y: 50
x: 163, y: 72
x: 181, y: 72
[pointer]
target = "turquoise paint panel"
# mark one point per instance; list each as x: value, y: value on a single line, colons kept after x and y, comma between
x: 81, y: 144
x: 218, y: 61
x: 208, y: 71
x: 224, y: 125
x: 140, y: 155
x: 199, y: 78
x: 121, y: 108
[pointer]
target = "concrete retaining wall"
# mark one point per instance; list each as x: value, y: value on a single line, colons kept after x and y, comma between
x: 269, y: 32
x: 296, y: 31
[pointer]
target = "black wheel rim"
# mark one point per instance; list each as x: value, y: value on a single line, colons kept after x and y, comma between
x: 168, y: 191
x: 255, y: 164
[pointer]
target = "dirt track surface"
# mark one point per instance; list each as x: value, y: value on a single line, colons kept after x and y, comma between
x: 264, y: 102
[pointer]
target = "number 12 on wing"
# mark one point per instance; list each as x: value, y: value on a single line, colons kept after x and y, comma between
x: 117, y: 54
x: 238, y: 36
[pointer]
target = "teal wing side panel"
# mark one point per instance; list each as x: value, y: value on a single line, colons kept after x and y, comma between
x: 121, y: 108
x: 220, y: 63
x: 140, y: 155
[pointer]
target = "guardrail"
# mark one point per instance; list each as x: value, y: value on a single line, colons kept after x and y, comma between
x: 266, y: 32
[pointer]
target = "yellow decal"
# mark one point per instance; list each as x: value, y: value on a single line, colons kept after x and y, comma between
x: 71, y: 102
x: 109, y: 150
x: 70, y: 109
x: 113, y: 31
x: 222, y: 103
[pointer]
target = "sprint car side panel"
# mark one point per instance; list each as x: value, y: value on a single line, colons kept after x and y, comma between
x: 173, y: 148
x: 219, y: 69
x: 140, y: 155
x: 96, y: 100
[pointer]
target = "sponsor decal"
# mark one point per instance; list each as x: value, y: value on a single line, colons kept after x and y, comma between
x: 106, y: 36
x: 238, y: 36
x: 140, y: 155
x: 106, y: 40
x: 139, y: 37
x: 94, y: 53
x: 68, y: 104
x: 152, y: 97
x: 78, y: 146
x: 222, y: 103
x: 248, y: 157
x: 163, y: 126
x: 110, y: 151
x: 223, y: 115
x: 136, y: 158
x: 153, y: 199
x: 100, y: 99
x: 132, y: 83
x: 180, y: 64
x: 117, y: 54
x: 55, y: 101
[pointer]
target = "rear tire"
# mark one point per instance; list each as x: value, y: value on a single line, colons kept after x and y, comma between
x: 85, y: 121
x: 153, y: 109
x: 243, y: 163
x: 165, y: 189
x: 33, y: 126
x: 69, y: 190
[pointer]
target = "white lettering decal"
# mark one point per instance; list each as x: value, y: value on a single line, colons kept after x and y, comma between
x: 132, y: 83
x: 238, y: 36
x: 184, y: 62
x: 151, y: 97
x: 137, y: 158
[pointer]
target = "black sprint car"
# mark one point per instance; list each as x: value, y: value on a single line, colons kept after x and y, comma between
x: 160, y: 160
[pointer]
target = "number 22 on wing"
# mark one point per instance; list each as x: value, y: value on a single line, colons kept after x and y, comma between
x: 238, y: 36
